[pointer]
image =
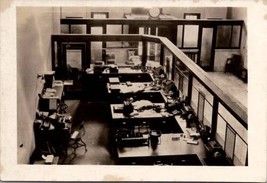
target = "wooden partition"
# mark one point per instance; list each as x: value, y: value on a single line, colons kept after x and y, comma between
x: 224, y: 34
x: 182, y: 63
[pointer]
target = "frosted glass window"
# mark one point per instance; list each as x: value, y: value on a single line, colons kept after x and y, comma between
x: 220, y: 131
x: 194, y: 99
x: 78, y: 29
x: 179, y: 35
x: 233, y: 122
x: 185, y: 86
x: 167, y: 63
x: 229, y: 142
x: 207, y: 113
x: 223, y: 36
x: 176, y: 78
x: 240, y: 152
x: 190, y: 35
x: 96, y: 50
x: 235, y: 36
x: 114, y: 29
x: 74, y: 58
x: 200, y: 109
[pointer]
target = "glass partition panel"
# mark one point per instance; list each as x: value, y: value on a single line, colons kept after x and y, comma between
x: 240, y: 153
x: 64, y: 29
x: 141, y: 30
x: 201, y: 105
x: 194, y: 99
x: 125, y: 29
x: 182, y: 68
x: 96, y: 51
x: 114, y: 29
x: 200, y: 87
x: 207, y: 113
x: 233, y: 122
x: 97, y: 30
x: 179, y: 35
x: 167, y: 63
x: 153, y: 54
x: 118, y: 56
x: 183, y: 77
x: 114, y: 44
x: 78, y: 29
x: 125, y: 54
x: 220, y: 131
x: 223, y: 36
x: 206, y: 47
x: 74, y: 58
x: 190, y: 36
x: 181, y: 83
x: 235, y: 36
x: 56, y: 54
x: 185, y: 86
x: 176, y: 77
x: 229, y: 142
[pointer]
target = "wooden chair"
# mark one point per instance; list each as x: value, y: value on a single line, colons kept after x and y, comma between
x: 76, y: 139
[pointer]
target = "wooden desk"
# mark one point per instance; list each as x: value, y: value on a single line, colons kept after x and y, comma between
x: 95, y: 85
x: 144, y: 114
x: 52, y: 139
x: 132, y: 88
x: 170, y: 145
x: 48, y: 101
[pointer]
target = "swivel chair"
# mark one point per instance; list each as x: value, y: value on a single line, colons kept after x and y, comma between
x: 76, y: 139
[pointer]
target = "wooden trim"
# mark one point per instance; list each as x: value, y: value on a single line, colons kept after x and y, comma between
x: 227, y: 101
x: 193, y: 14
x: 190, y: 87
x: 53, y: 54
x: 147, y: 23
x: 239, y: 112
x: 161, y: 54
x: 103, y: 37
x: 144, y: 54
x: 214, y: 118
x: 103, y: 13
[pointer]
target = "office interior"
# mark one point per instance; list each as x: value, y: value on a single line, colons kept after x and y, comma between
x: 90, y: 50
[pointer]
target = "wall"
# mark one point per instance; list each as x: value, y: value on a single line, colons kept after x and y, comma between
x: 85, y: 12
x: 222, y: 55
x: 240, y: 13
x: 34, y: 29
x: 206, y: 12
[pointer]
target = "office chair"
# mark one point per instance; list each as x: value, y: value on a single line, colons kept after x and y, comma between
x: 76, y: 139
x: 233, y: 65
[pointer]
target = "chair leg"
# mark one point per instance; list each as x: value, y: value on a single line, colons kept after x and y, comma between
x: 84, y: 144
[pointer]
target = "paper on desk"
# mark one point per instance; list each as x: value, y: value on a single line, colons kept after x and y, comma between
x: 49, y: 158
x: 141, y: 103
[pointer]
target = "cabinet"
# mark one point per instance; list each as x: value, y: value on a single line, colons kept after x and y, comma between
x: 52, y: 136
x: 51, y: 97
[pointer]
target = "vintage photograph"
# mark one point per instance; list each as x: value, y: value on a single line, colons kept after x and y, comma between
x: 132, y: 87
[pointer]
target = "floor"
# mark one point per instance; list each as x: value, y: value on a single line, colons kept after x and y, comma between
x: 96, y: 121
x: 231, y: 85
x: 96, y: 136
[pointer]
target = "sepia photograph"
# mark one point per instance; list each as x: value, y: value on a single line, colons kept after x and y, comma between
x: 132, y: 91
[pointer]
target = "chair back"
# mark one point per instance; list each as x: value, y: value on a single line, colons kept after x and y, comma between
x: 81, y: 129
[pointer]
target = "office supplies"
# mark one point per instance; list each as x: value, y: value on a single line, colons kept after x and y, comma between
x: 114, y: 80
x: 191, y: 141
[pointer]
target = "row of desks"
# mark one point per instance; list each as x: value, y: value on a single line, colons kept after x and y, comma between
x: 175, y: 146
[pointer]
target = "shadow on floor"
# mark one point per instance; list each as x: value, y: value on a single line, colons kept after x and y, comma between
x: 96, y: 136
